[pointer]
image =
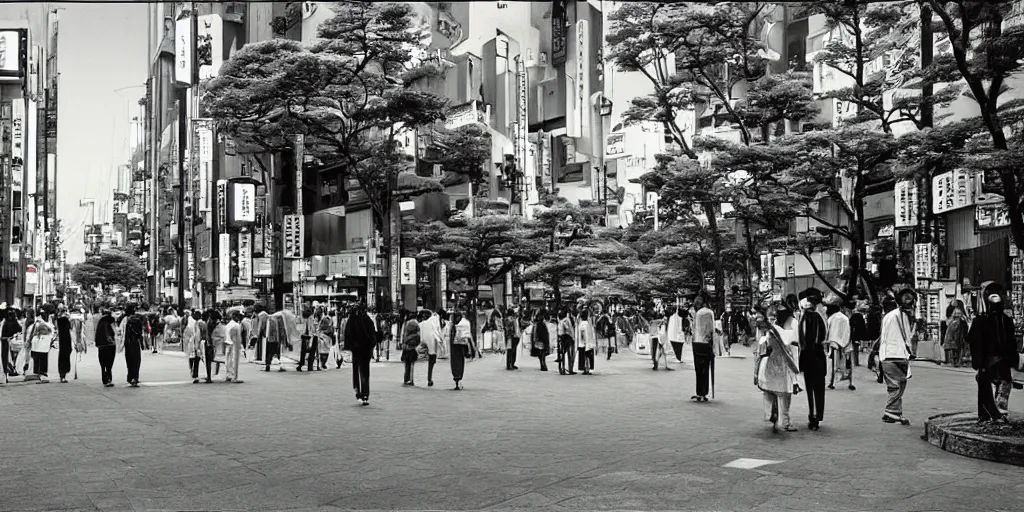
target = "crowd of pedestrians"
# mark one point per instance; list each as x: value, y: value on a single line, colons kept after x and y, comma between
x: 793, y: 341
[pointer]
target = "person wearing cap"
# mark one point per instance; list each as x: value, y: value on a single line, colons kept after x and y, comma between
x: 993, y: 355
x: 837, y: 329
x: 894, y: 353
x: 813, y: 361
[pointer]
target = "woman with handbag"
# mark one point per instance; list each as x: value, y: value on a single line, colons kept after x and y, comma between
x: 42, y: 334
x: 462, y: 345
x: 775, y: 368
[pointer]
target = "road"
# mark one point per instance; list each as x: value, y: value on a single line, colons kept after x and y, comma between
x: 625, y: 438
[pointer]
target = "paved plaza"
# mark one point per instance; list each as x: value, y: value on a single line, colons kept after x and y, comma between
x: 626, y: 438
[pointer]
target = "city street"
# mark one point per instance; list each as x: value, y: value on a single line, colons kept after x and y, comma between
x: 626, y: 438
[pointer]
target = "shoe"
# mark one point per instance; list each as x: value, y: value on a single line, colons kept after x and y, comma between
x: 830, y: 386
x: 63, y: 380
x: 695, y: 398
x: 851, y: 387
x: 572, y: 373
x: 228, y: 379
x: 430, y: 383
x: 209, y: 380
x: 299, y: 369
x: 704, y: 399
x: 366, y: 401
x: 280, y: 369
x: 775, y: 428
x: 514, y: 367
x: 109, y: 385
x: 668, y: 369
x: 790, y: 428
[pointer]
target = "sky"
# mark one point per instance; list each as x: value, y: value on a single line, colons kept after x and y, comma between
x: 102, y: 48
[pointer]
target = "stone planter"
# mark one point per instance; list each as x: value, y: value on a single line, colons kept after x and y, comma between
x: 959, y: 433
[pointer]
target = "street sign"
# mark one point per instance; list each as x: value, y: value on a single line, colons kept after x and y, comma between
x: 293, y: 234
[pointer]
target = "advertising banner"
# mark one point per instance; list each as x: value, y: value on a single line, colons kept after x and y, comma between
x: 408, y: 271
x: 244, y: 203
x: 224, y: 259
x: 222, y: 204
x: 183, y: 42
x: 244, y: 259
x: 293, y: 236
x: 906, y: 204
x: 952, y: 190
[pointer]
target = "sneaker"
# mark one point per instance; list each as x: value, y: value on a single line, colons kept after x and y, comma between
x: 366, y: 401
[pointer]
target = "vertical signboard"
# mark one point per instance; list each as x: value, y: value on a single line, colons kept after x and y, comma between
x: 244, y: 259
x: 952, y: 190
x: 17, y: 146
x: 522, y: 129
x: 559, y: 38
x: 408, y: 271
x: 582, y: 76
x: 204, y: 145
x: 442, y: 285
x: 292, y: 236
x: 300, y: 156
x: 224, y: 259
x: 183, y: 42
x: 243, y: 207
x: 222, y: 204
x: 906, y: 204
x: 926, y: 262
x: 211, y: 45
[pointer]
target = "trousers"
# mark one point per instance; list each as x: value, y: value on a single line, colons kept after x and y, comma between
x: 133, y: 360
x: 431, y: 361
x: 703, y: 355
x: 231, y: 359
x: 361, y: 374
x: 776, y: 407
x: 993, y: 394
x: 511, y: 354
x: 814, y: 382
x: 273, y: 349
x: 106, y: 357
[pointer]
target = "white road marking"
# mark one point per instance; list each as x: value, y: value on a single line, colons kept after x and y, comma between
x: 166, y: 383
x: 750, y: 463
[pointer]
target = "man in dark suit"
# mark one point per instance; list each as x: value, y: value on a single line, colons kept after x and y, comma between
x: 813, y: 362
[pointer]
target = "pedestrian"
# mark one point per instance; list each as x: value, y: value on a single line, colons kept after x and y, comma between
x: 342, y: 320
x: 105, y: 340
x: 462, y: 346
x: 172, y: 324
x: 775, y: 367
x: 64, y: 344
x: 703, y: 346
x: 540, y: 341
x: 676, y: 333
x: 157, y: 327
x: 215, y: 342
x: 324, y: 337
x: 993, y: 354
x: 9, y: 328
x: 894, y: 353
x: 839, y: 341
x: 586, y: 342
x: 956, y: 334
x: 360, y: 339
x: 604, y: 327
x: 259, y: 332
x: 42, y: 334
x: 874, y: 320
x: 512, y: 336
x: 565, y: 334
x: 307, y: 348
x: 431, y: 338
x: 235, y: 343
x: 134, y: 329
x: 410, y: 345
x: 813, y: 361
x: 274, y: 336
x: 656, y: 329
x: 858, y: 330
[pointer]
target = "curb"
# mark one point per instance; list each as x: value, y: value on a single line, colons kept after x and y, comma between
x: 943, y: 431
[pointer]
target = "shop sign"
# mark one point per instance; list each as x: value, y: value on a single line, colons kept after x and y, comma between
x: 262, y: 267
x: 222, y: 204
x: 952, y: 190
x: 906, y: 204
x: 615, y: 145
x: 244, y: 259
x: 293, y: 236
x: 582, y: 73
x: 559, y: 38
x: 408, y: 271
x: 244, y: 199
x: 991, y: 216
x: 183, y: 41
x: 224, y: 259
x: 926, y: 261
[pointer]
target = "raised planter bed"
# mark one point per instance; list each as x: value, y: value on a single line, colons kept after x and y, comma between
x: 960, y: 433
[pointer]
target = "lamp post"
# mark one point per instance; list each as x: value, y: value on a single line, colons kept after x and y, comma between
x: 604, y: 109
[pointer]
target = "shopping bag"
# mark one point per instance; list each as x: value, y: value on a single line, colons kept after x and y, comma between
x: 642, y: 344
x: 346, y: 355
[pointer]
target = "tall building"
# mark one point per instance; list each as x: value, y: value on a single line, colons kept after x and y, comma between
x: 28, y: 110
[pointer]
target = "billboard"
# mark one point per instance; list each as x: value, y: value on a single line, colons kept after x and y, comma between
x: 13, y: 54
x: 243, y: 203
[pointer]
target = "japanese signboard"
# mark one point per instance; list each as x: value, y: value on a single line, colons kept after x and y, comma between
x: 615, y: 146
x: 183, y: 42
x: 408, y: 271
x: 582, y: 75
x: 224, y: 259
x: 244, y: 259
x: 926, y: 261
x: 952, y: 190
x: 559, y: 37
x: 222, y: 203
x: 293, y: 236
x: 244, y: 203
x: 991, y: 216
x: 906, y: 204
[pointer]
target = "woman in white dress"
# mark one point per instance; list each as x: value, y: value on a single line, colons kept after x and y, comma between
x: 41, y: 335
x: 774, y: 369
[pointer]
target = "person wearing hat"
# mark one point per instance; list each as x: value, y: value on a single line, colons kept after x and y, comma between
x: 839, y: 341
x: 993, y: 355
x: 894, y: 353
x: 811, y: 334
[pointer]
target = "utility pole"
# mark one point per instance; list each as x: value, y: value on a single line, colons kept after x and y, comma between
x: 299, y: 152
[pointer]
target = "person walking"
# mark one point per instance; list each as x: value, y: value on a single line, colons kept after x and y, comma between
x: 105, y: 340
x: 656, y: 330
x: 42, y: 334
x: 775, y: 367
x: 9, y: 328
x: 586, y: 342
x: 274, y: 335
x: 134, y: 332
x: 604, y: 327
x: 956, y: 334
x: 192, y: 342
x: 64, y: 344
x: 993, y: 354
x: 360, y: 339
x: 512, y: 335
x: 703, y: 347
x: 858, y: 330
x: 215, y: 342
x: 235, y: 344
x: 565, y: 335
x: 431, y: 338
x: 540, y: 342
x: 324, y: 337
x: 839, y: 341
x: 894, y: 354
x: 461, y: 347
x: 410, y: 344
x: 307, y: 350
x: 813, y: 361
x: 676, y: 332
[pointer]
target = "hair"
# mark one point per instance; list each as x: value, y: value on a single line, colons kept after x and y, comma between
x: 129, y: 310
x: 584, y: 315
x: 782, y: 315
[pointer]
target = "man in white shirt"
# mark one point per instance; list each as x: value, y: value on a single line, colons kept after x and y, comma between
x: 703, y: 347
x: 235, y: 344
x: 894, y: 354
x: 838, y: 338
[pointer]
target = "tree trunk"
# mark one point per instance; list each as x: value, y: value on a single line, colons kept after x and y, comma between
x: 716, y: 240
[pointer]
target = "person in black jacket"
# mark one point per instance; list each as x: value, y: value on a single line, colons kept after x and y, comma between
x: 134, y: 334
x: 9, y: 328
x: 813, y: 362
x: 993, y: 355
x: 106, y: 347
x: 360, y: 339
x: 858, y: 330
x: 63, y: 344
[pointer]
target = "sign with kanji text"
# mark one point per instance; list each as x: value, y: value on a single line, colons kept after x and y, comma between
x: 222, y: 204
x: 224, y: 259
x: 408, y: 271
x: 906, y: 204
x: 244, y: 259
x: 952, y: 190
x: 244, y: 203
x: 293, y: 236
x: 926, y: 261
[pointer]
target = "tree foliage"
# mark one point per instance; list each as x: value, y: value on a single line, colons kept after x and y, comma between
x: 112, y: 267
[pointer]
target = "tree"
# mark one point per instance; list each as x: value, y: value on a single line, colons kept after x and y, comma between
x: 352, y: 94
x: 984, y: 57
x: 112, y: 267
